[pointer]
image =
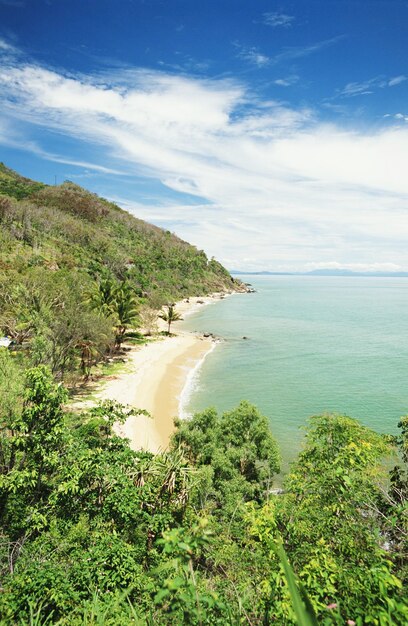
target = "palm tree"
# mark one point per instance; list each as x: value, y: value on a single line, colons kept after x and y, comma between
x: 102, y: 298
x: 117, y: 301
x: 125, y: 307
x: 170, y: 315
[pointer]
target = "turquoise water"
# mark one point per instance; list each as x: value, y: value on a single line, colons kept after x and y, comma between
x: 316, y: 344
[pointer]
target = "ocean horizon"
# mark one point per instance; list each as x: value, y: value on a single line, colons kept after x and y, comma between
x: 314, y: 345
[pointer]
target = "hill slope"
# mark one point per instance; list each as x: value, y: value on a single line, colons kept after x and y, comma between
x: 65, y: 252
x: 68, y: 227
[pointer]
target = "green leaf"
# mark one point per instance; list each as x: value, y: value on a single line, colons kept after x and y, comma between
x: 303, y: 611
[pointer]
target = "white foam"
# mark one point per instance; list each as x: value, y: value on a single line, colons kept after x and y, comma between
x: 191, y: 383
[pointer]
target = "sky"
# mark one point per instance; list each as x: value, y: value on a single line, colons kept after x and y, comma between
x: 272, y: 135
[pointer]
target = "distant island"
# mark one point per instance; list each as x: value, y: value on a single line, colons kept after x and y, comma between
x: 324, y: 272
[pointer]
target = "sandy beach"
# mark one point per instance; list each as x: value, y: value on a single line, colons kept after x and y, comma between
x: 155, y: 377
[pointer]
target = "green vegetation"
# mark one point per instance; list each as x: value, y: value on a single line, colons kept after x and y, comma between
x: 16, y: 186
x: 170, y: 315
x: 95, y: 533
x: 76, y: 270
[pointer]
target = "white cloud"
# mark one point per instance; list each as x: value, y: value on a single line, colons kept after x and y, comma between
x: 288, y: 81
x: 254, y: 56
x: 273, y: 184
x: 358, y: 89
x: 274, y: 18
x: 6, y: 47
x: 397, y: 116
x: 369, y: 86
x: 397, y: 80
x: 297, y: 52
x: 13, y: 140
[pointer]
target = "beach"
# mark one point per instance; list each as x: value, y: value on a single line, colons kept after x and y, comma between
x: 156, y: 378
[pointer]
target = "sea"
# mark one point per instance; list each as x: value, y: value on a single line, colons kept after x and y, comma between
x: 313, y: 344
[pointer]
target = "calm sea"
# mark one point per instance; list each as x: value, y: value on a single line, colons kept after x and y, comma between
x: 315, y: 344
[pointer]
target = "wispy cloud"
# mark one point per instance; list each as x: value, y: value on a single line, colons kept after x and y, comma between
x: 7, y: 47
x: 363, y: 88
x: 397, y: 80
x: 368, y: 87
x: 253, y: 55
x: 297, y: 52
x: 288, y: 81
x: 186, y: 64
x: 274, y: 19
x: 11, y: 140
x: 397, y: 116
x: 268, y: 178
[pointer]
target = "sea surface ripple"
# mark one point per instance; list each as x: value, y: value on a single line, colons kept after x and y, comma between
x: 315, y: 344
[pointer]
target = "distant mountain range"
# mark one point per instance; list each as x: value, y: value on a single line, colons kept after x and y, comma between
x: 324, y: 272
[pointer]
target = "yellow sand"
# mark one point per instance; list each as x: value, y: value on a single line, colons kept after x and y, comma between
x: 154, y: 380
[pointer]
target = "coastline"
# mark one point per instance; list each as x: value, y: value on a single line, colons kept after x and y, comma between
x: 158, y: 379
x: 190, y: 380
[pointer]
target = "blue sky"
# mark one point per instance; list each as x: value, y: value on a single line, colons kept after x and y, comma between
x: 272, y: 135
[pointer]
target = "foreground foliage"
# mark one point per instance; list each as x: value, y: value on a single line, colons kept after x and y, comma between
x: 95, y: 533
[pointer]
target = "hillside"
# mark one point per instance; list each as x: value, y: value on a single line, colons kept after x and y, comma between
x: 74, y: 266
x: 67, y: 227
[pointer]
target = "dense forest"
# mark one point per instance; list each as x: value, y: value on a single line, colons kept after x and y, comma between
x: 95, y: 533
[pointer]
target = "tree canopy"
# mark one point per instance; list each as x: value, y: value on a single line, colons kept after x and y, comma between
x: 194, y: 535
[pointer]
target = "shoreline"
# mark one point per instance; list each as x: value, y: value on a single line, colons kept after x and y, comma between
x: 190, y: 380
x: 158, y: 378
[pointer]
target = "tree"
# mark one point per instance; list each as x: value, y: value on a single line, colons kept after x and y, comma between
x: 148, y: 319
x: 239, y: 450
x: 47, y: 311
x: 170, y: 316
x: 30, y: 449
x: 393, y: 506
x: 125, y: 308
x: 117, y: 301
x: 102, y: 297
x: 95, y: 340
x: 330, y: 530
